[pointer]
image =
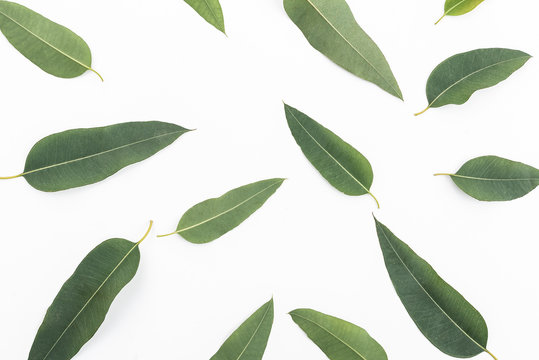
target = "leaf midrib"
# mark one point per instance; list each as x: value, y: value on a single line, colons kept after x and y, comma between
x: 353, y: 47
x: 492, y: 179
x: 211, y: 11
x: 89, y: 300
x: 100, y: 153
x: 45, y: 42
x: 329, y: 332
x: 426, y: 292
x: 255, y: 332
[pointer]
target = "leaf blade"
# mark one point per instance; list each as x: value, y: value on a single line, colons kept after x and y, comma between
x: 330, y: 28
x: 211, y: 11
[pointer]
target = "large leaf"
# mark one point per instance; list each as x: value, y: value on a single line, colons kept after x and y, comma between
x: 459, y: 7
x: 249, y: 341
x: 82, y: 304
x: 338, y: 339
x: 211, y: 11
x: 457, y: 78
x: 213, y: 218
x: 491, y: 178
x: 330, y: 28
x: 337, y: 161
x: 81, y: 157
x: 443, y: 315
x: 52, y: 47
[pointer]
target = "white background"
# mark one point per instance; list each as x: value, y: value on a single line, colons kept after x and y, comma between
x: 309, y: 246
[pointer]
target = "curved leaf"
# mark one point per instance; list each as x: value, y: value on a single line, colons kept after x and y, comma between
x: 211, y: 11
x: 213, y: 218
x: 457, y: 78
x: 249, y: 341
x: 82, y: 304
x: 330, y: 28
x: 81, y: 157
x: 337, y: 161
x: 52, y: 47
x: 491, y: 178
x: 338, y: 339
x: 459, y: 7
x: 443, y: 315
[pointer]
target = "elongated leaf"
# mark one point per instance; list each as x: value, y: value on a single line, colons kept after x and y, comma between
x: 81, y: 157
x: 443, y: 315
x: 249, y: 341
x: 52, y: 47
x: 82, y: 304
x: 213, y: 218
x: 457, y: 78
x: 211, y: 11
x: 338, y: 339
x: 337, y: 161
x: 330, y: 28
x: 491, y: 178
x: 459, y: 7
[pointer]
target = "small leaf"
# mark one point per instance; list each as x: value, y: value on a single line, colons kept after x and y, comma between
x: 82, y: 304
x: 211, y: 11
x: 249, y: 341
x: 54, y: 48
x: 81, y: 157
x: 457, y: 78
x: 337, y: 161
x: 213, y: 218
x: 491, y: 178
x: 330, y: 28
x: 444, y: 316
x: 459, y: 7
x: 338, y: 339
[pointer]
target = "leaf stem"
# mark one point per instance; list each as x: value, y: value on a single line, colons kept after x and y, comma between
x: 443, y: 174
x: 436, y: 23
x: 488, y: 352
x: 375, y: 199
x: 147, y: 232
x: 172, y: 233
x: 97, y: 74
x: 422, y: 112
x: 11, y: 177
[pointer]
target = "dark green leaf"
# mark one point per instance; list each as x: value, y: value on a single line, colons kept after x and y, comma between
x: 459, y: 7
x: 211, y: 11
x: 52, y: 47
x: 81, y: 157
x: 337, y: 161
x: 213, y: 218
x: 249, y: 341
x: 457, y: 78
x: 338, y: 339
x: 444, y: 316
x: 82, y: 304
x: 330, y: 28
x: 491, y: 178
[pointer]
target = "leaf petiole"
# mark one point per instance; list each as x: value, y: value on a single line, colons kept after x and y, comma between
x: 11, y: 177
x: 488, y: 352
x: 422, y: 112
x: 436, y: 23
x: 147, y: 232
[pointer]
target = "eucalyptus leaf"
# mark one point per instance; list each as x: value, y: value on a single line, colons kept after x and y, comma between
x: 492, y: 178
x: 82, y: 304
x: 330, y: 28
x: 211, y: 11
x: 81, y: 157
x: 337, y: 161
x: 456, y: 79
x: 443, y: 315
x: 213, y: 218
x: 249, y: 341
x: 54, y: 48
x: 338, y: 339
x: 459, y: 7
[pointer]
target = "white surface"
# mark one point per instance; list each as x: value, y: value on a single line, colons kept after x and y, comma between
x: 309, y: 246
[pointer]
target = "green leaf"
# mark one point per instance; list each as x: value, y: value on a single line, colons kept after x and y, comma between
x: 337, y: 161
x: 444, y: 316
x: 249, y: 341
x: 52, y: 47
x: 82, y: 304
x: 459, y: 7
x: 330, y: 28
x: 491, y: 178
x: 211, y: 11
x: 457, y: 78
x: 338, y: 339
x: 213, y: 218
x: 81, y: 157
